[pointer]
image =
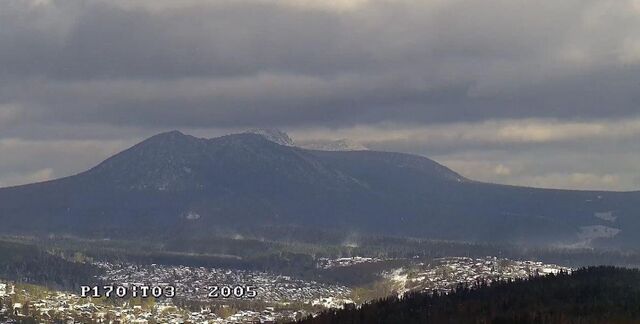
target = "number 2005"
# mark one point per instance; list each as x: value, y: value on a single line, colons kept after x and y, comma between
x: 232, y: 292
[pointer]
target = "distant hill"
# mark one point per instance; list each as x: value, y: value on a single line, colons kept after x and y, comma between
x: 592, y: 295
x: 179, y: 185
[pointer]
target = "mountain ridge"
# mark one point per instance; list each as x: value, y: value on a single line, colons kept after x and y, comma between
x: 177, y: 184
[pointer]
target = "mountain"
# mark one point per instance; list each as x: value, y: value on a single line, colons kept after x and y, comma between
x: 176, y: 184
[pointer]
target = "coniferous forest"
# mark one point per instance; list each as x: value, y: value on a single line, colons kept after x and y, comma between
x: 589, y: 295
x: 27, y: 263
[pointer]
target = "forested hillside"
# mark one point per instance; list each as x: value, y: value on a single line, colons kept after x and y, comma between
x: 589, y: 295
x: 30, y: 264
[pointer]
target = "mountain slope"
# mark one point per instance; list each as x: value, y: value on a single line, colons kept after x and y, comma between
x: 175, y: 184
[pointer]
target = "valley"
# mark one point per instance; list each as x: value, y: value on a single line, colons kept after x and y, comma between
x: 291, y: 286
x: 279, y: 297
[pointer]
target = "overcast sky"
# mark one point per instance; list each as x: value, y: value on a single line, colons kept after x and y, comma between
x: 539, y: 93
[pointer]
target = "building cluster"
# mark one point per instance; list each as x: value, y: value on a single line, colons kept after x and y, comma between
x: 278, y: 298
x: 198, y: 283
x: 3, y: 290
x: 45, y: 306
x: 326, y: 263
x: 444, y: 274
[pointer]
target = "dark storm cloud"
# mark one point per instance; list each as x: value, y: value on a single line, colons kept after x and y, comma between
x: 106, y: 41
x: 83, y: 61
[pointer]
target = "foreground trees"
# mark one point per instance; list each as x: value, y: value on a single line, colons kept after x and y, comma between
x: 589, y: 295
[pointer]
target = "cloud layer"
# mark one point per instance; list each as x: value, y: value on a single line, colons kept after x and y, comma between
x: 506, y: 90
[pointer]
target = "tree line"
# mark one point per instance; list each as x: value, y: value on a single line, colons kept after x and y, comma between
x: 589, y: 295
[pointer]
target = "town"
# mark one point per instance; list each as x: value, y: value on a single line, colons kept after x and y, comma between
x: 278, y: 298
x: 198, y: 283
x: 444, y: 274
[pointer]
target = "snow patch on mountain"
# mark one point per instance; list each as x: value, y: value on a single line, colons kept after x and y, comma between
x: 274, y: 135
x: 192, y: 216
x: 608, y: 216
x: 282, y: 138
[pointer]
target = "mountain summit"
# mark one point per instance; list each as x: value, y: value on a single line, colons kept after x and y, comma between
x: 274, y: 135
x: 282, y: 138
x: 177, y: 184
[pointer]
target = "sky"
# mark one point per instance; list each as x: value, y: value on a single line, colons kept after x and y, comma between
x: 538, y: 93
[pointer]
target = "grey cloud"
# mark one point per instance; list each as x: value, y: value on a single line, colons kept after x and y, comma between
x: 555, y: 167
x: 106, y: 41
x: 110, y: 71
x: 22, y: 158
x: 403, y: 61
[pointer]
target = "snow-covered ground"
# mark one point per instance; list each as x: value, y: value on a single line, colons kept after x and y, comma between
x: 446, y: 273
x: 326, y: 263
x: 608, y: 216
x: 192, y: 283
